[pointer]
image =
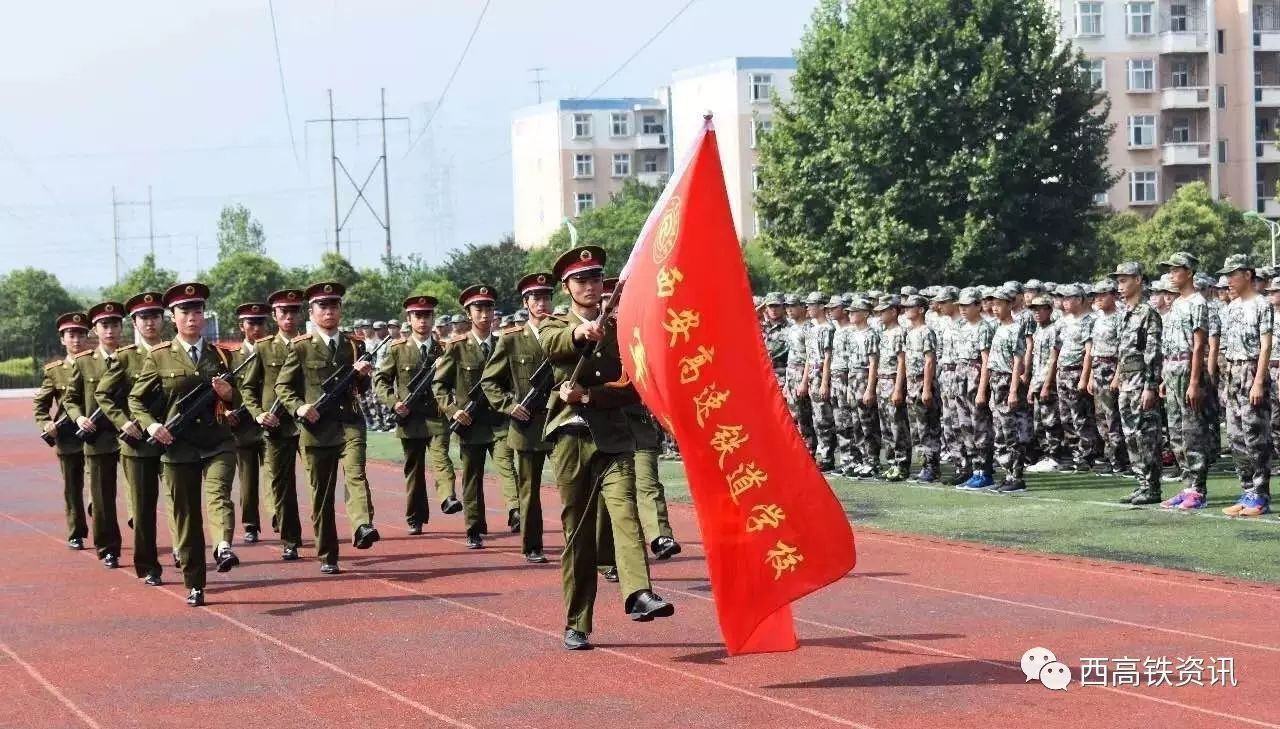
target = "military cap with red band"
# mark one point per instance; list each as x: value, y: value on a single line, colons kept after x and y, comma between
x: 476, y: 294
x: 106, y: 310
x: 536, y: 282
x: 584, y: 259
x: 186, y: 293
x: 325, y: 291
x: 144, y: 302
x: 286, y: 298
x: 609, y: 285
x: 73, y: 320
x: 420, y: 303
x: 252, y: 310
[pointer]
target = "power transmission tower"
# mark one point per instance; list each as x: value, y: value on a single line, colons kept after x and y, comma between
x: 116, y: 204
x: 340, y: 221
x: 538, y: 81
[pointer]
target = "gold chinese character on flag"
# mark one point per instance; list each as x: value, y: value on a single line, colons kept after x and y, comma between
x: 745, y: 477
x: 691, y: 367
x: 727, y: 439
x: 667, y: 281
x: 709, y: 399
x: 783, y: 558
x: 680, y: 324
x: 766, y: 515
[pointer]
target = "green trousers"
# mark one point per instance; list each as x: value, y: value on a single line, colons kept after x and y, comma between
x: 248, y: 472
x: 442, y: 465
x: 473, y: 486
x: 101, y: 471
x: 213, y: 475
x: 651, y: 496
x: 280, y: 456
x: 504, y: 462
x: 586, y: 478
x: 529, y: 482
x: 322, y: 473
x: 142, y: 476
x: 72, y: 465
x: 221, y: 509
x: 417, y: 508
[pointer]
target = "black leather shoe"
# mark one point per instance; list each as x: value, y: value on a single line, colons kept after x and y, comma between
x: 576, y: 640
x: 329, y: 569
x: 1146, y: 498
x: 153, y: 579
x: 610, y: 575
x: 365, y: 536
x: 474, y: 541
x: 665, y: 548
x: 225, y: 559
x: 289, y: 554
x: 646, y: 606
x: 513, y: 520
x: 535, y: 556
x: 451, y: 505
x: 195, y: 598
x: 75, y: 543
x: 415, y: 528
x: 1129, y: 499
x: 250, y: 536
x: 111, y: 561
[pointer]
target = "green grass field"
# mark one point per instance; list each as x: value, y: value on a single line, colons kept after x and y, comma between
x: 1060, y: 513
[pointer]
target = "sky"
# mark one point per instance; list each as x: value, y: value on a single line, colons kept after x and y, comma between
x: 187, y: 98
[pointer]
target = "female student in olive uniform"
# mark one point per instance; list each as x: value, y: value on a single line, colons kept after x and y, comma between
x: 73, y: 330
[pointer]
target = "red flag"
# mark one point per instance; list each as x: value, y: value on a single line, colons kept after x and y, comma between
x: 772, y: 528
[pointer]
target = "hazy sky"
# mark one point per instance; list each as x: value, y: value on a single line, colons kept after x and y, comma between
x: 186, y: 97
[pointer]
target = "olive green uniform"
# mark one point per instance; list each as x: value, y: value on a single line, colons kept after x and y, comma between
x: 141, y: 462
x: 249, y: 455
x: 101, y: 452
x: 506, y: 382
x: 593, y: 461
x: 280, y: 444
x: 651, y: 496
x: 202, y: 455
x: 70, y: 450
x: 340, y: 437
x: 424, y: 430
x: 459, y: 370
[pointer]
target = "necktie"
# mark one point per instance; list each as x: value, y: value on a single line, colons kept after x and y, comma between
x: 424, y: 352
x: 195, y: 355
x: 484, y: 348
x: 333, y: 348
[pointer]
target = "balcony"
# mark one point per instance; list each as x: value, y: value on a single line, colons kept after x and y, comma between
x: 1185, y: 97
x: 1186, y: 153
x: 1266, y: 150
x: 1269, y: 207
x: 651, y: 178
x: 1266, y: 95
x: 651, y: 141
x: 1185, y: 41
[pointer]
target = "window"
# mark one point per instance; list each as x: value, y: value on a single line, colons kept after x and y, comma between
x: 1180, y: 130
x: 1142, y: 188
x: 622, y: 164
x: 1222, y: 151
x: 1178, y: 18
x: 582, y: 126
x: 1095, y: 68
x: 761, y: 86
x: 759, y: 127
x: 584, y: 165
x: 1142, y: 130
x: 1180, y: 75
x: 651, y: 124
x: 620, y: 124
x: 1088, y: 18
x: 1099, y: 198
x: 584, y: 201
x: 1222, y: 97
x: 1222, y: 40
x: 755, y: 179
x: 1140, y: 17
x: 1141, y: 74
x: 649, y: 162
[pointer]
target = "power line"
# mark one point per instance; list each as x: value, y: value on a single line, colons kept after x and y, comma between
x: 538, y: 81
x: 456, y: 67
x: 643, y: 46
x: 284, y: 94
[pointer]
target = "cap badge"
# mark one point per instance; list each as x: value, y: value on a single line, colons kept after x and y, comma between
x: 148, y: 298
x: 328, y: 288
x: 191, y: 289
x: 109, y: 308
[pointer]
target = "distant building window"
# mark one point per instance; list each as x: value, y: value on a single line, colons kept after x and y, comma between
x: 1099, y: 198
x: 1142, y: 130
x: 584, y: 201
x: 1142, y: 187
x: 582, y: 126
x: 1140, y: 16
x: 755, y: 179
x: 1180, y: 130
x: 622, y: 164
x: 1178, y: 18
x: 584, y: 165
x: 1179, y: 75
x: 1088, y: 18
x: 761, y: 86
x: 1095, y: 68
x: 759, y: 128
x: 620, y: 124
x: 651, y: 123
x: 1222, y: 97
x: 649, y: 162
x: 1142, y: 73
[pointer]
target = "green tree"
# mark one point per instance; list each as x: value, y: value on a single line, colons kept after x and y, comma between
x: 763, y: 270
x: 241, y: 278
x: 614, y: 227
x: 34, y: 299
x: 1191, y: 221
x: 147, y: 276
x: 333, y: 267
x: 239, y: 232
x: 499, y: 265
x: 933, y: 139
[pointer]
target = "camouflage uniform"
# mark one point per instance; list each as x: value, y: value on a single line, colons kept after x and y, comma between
x: 1188, y: 430
x: 843, y: 409
x: 972, y: 422
x: 864, y: 432
x: 1075, y: 408
x: 775, y: 341
x: 1244, y: 322
x: 795, y: 334
x: 944, y: 329
x: 1216, y: 399
x: 1105, y: 336
x: 894, y: 430
x: 818, y: 342
x: 1138, y: 371
x: 1012, y: 425
x: 926, y: 426
x: 1048, y: 438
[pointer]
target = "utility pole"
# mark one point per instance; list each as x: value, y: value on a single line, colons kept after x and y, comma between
x: 335, y: 162
x: 115, y: 233
x: 116, y: 204
x: 538, y: 81
x: 151, y: 223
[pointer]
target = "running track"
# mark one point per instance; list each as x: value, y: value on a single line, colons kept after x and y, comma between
x: 420, y: 632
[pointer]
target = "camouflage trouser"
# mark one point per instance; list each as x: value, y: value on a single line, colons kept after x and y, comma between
x: 1273, y: 369
x: 951, y: 438
x: 800, y: 410
x: 843, y: 416
x: 1213, y: 420
x: 1249, y: 428
x: 1141, y: 432
x: 1075, y: 409
x: 1188, y: 429
x: 972, y: 423
x: 1048, y: 438
x: 1013, y: 427
x: 865, y: 424
x: 894, y: 430
x: 1108, y: 416
x: 824, y: 423
x: 926, y: 420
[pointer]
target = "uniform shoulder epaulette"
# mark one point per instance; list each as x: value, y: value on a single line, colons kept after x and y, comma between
x: 126, y: 348
x: 52, y: 364
x: 163, y: 345
x: 395, y: 342
x: 512, y: 329
x: 228, y: 347
x: 86, y: 353
x: 267, y: 338
x: 456, y: 338
x: 300, y: 338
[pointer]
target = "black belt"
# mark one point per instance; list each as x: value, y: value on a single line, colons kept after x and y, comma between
x: 1106, y: 360
x: 579, y: 429
x: 948, y: 366
x: 1072, y: 368
x: 1185, y: 357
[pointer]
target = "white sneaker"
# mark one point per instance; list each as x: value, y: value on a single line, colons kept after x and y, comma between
x: 1045, y: 465
x: 1171, y: 478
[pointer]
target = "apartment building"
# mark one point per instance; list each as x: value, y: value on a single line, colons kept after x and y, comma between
x: 570, y: 155
x: 1195, y: 95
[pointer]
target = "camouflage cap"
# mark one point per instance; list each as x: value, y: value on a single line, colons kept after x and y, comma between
x: 945, y: 295
x: 1161, y: 285
x: 815, y: 298
x: 1033, y: 285
x: 888, y: 302
x: 1274, y: 286
x: 1203, y: 281
x: 835, y: 302
x: 1014, y: 286
x: 915, y: 300
x: 1181, y: 259
x: 773, y: 298
x: 860, y: 303
x: 1041, y: 301
x: 1105, y: 286
x: 1068, y: 291
x: 968, y: 297
x: 522, y: 316
x: 791, y: 300
x: 1222, y: 283
x: 1265, y: 272
x: 1238, y: 262
x: 1000, y: 293
x: 757, y: 301
x: 908, y: 291
x: 875, y: 294
x: 1128, y: 268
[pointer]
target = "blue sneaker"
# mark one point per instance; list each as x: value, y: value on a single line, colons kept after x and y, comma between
x: 977, y: 482
x: 1254, y: 505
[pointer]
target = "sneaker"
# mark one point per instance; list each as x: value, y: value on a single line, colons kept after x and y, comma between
x: 977, y: 482
x: 1146, y: 497
x: 1171, y: 478
x: 867, y: 470
x: 1255, y: 506
x: 1193, y: 500
x: 893, y: 473
x: 1044, y: 465
x: 1012, y: 486
x: 961, y: 478
x: 1236, y: 508
x: 926, y: 475
x: 1177, y: 499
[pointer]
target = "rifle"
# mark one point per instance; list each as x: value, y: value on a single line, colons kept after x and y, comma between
x: 62, y: 426
x: 149, y: 400
x: 476, y: 399
x: 99, y: 420
x: 419, y: 390
x: 539, y: 390
x: 338, y: 386
x: 196, y: 402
